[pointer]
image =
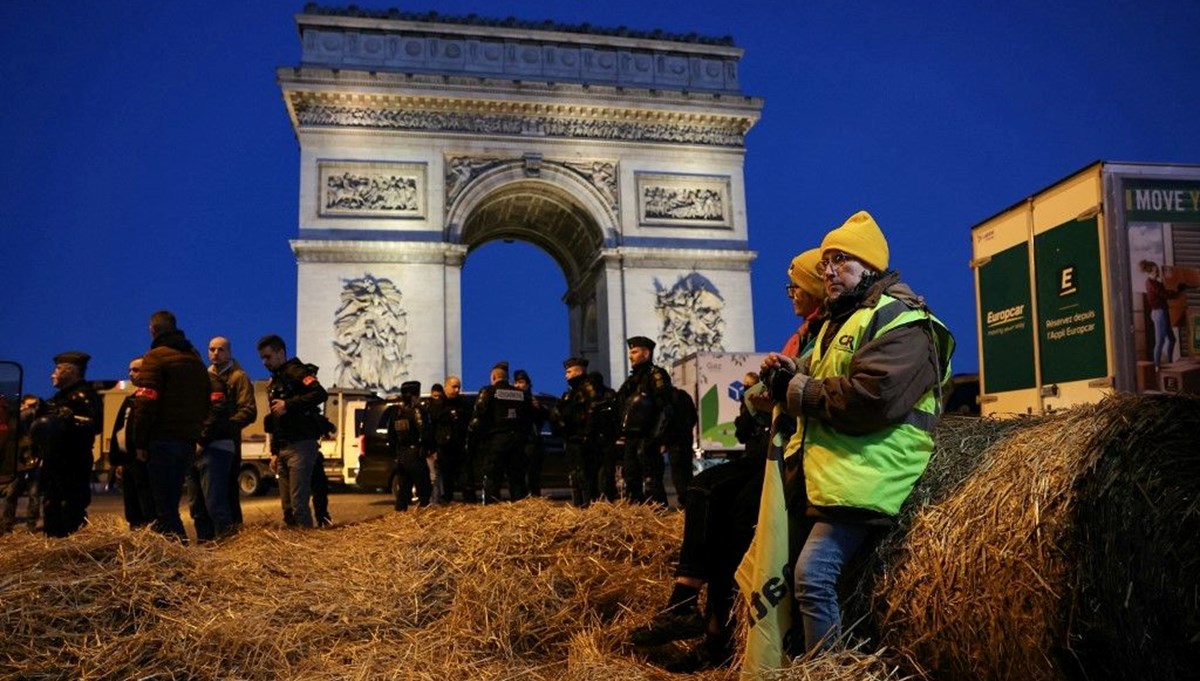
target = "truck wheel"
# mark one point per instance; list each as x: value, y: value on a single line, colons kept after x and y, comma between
x: 250, y: 483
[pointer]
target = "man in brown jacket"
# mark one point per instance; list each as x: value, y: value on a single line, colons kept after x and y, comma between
x: 170, y: 405
x: 245, y: 411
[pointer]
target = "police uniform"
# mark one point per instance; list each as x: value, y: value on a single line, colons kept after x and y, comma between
x: 502, y: 420
x: 603, y: 415
x: 644, y: 398
x: 406, y: 437
x: 74, y: 416
x: 570, y: 417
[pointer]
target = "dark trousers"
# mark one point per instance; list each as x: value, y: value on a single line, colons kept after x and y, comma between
x: 235, y: 492
x: 167, y: 462
x: 66, y: 492
x: 718, y: 526
x: 412, y: 471
x: 680, y: 458
x: 603, y: 454
x: 643, y: 470
x: 581, y: 470
x: 136, y: 495
x: 449, y: 458
x: 505, y: 459
x: 533, y: 465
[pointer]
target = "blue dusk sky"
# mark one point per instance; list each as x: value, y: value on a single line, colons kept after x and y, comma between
x: 148, y: 161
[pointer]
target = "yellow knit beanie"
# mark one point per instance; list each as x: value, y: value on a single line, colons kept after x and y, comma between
x: 803, y: 273
x: 860, y: 237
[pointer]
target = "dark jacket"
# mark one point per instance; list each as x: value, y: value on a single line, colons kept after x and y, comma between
x: 172, y: 401
x: 645, y: 398
x: 219, y: 424
x: 296, y: 384
x: 240, y: 392
x: 450, y: 417
x: 82, y: 417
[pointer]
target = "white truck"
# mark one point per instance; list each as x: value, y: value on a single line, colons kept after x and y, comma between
x: 714, y: 380
x: 344, y: 407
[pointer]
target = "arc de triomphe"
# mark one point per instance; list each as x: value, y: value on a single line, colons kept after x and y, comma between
x: 423, y: 137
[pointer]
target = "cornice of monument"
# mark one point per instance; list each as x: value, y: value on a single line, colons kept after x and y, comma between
x: 687, y: 258
x: 319, y: 251
x: 510, y: 27
x: 448, y: 114
x: 324, y: 79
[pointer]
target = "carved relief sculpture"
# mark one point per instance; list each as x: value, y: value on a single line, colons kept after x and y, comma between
x: 600, y: 174
x: 691, y: 317
x: 371, y: 189
x: 371, y: 335
x: 683, y: 200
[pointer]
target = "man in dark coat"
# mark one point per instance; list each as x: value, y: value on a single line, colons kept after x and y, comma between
x: 65, y: 435
x: 169, y: 411
x: 645, y: 398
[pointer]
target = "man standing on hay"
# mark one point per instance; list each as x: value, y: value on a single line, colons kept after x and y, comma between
x: 866, y: 401
x: 64, y: 434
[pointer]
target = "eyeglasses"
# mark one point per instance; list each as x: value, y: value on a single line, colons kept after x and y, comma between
x: 837, y: 259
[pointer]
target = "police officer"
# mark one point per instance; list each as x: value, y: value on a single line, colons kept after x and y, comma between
x: 407, y: 440
x: 451, y: 417
x: 294, y: 423
x: 501, y: 423
x: 570, y: 418
x: 533, y: 441
x: 65, y: 434
x: 645, y: 399
x: 603, y: 414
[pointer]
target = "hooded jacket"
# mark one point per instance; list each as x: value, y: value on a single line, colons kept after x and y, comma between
x: 172, y: 401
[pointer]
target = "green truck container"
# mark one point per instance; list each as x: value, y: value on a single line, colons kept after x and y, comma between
x: 1080, y: 285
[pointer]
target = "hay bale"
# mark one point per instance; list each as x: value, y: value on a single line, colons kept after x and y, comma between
x: 1065, y: 545
x: 495, y: 592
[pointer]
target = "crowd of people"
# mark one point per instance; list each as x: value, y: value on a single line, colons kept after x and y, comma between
x: 846, y: 411
x: 180, y: 430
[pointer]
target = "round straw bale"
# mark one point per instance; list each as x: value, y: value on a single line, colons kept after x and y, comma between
x: 1066, y: 546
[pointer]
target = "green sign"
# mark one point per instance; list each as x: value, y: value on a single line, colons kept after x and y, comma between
x: 1162, y: 200
x: 1070, y: 302
x: 1006, y: 312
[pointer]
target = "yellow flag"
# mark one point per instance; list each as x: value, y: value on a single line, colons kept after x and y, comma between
x: 762, y: 575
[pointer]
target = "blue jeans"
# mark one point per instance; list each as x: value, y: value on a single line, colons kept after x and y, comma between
x: 167, y: 462
x: 1163, y: 334
x: 295, y: 465
x: 208, y: 491
x: 829, y: 546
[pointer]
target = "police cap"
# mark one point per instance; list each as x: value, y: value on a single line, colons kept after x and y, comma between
x: 521, y: 375
x: 641, y: 342
x: 410, y: 388
x: 575, y: 362
x: 79, y: 359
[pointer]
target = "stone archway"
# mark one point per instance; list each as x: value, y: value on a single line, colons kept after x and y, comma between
x: 424, y: 136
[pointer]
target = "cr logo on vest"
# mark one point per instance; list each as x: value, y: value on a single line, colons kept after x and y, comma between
x: 846, y: 342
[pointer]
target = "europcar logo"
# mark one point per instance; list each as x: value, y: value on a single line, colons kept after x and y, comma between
x: 1005, y: 316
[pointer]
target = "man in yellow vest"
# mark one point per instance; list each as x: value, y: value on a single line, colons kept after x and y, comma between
x: 866, y: 400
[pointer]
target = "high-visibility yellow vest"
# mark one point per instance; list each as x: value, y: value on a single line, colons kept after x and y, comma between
x: 876, y: 471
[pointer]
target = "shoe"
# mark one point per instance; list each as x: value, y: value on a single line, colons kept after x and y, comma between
x: 670, y: 625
